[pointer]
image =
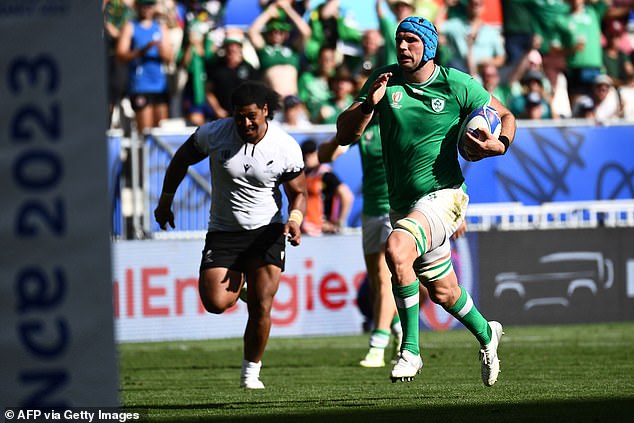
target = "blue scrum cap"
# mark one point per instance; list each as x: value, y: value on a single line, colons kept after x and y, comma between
x: 425, y: 30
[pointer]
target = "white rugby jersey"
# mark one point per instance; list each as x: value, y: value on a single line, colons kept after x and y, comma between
x: 246, y: 178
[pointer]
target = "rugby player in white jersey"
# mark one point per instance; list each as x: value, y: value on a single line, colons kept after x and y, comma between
x: 250, y: 157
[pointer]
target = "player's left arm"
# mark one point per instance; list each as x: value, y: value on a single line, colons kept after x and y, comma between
x: 296, y: 192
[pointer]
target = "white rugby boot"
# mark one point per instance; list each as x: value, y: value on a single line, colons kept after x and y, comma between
x: 250, y: 375
x: 374, y: 358
x: 253, y: 383
x: 490, y: 363
x: 407, y: 367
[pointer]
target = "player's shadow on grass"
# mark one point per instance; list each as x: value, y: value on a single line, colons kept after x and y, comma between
x: 619, y: 410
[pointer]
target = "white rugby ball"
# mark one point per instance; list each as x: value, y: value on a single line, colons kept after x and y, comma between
x: 482, y: 117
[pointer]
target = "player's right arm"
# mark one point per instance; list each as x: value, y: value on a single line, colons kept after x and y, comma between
x: 352, y: 122
x: 185, y: 156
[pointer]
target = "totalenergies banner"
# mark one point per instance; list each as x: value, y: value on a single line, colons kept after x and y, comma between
x: 156, y: 291
x: 520, y: 277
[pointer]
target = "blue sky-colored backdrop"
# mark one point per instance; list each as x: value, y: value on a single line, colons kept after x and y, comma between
x: 243, y: 12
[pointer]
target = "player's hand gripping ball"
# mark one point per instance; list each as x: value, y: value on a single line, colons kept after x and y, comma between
x: 482, y: 117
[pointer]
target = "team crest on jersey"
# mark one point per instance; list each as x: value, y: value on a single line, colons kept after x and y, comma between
x: 396, y: 99
x: 438, y: 104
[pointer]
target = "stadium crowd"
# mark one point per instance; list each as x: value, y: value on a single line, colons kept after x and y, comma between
x: 548, y: 59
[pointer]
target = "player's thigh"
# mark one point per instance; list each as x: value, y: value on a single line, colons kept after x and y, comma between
x: 219, y: 287
x: 444, y: 211
x: 263, y: 265
x: 410, y: 237
x: 221, y: 275
x: 263, y: 283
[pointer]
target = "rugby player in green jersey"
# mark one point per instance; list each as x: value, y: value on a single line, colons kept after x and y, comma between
x: 420, y: 107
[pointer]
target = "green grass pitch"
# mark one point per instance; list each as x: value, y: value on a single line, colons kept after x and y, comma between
x: 571, y: 373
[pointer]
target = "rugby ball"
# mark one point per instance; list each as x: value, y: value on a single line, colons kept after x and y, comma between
x: 482, y: 117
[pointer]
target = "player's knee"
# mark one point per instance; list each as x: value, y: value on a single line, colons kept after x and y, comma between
x: 259, y: 314
x: 413, y: 229
x: 216, y: 305
x: 399, y: 250
x: 213, y: 308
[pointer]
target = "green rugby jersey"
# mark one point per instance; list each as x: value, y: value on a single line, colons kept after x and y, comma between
x: 271, y: 55
x: 375, y: 197
x: 419, y: 126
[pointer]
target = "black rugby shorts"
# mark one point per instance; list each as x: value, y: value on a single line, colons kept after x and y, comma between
x: 233, y: 250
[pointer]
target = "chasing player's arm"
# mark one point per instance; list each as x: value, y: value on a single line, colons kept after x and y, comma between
x: 185, y: 156
x: 352, y: 122
x: 296, y: 192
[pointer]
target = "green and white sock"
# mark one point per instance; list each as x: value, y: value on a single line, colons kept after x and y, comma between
x: 407, y: 304
x: 396, y: 325
x: 466, y: 312
x: 379, y: 339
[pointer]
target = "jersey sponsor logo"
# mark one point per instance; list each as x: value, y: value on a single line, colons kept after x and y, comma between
x: 438, y: 104
x: 396, y: 99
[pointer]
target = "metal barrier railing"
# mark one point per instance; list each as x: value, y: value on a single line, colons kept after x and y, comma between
x: 560, y: 215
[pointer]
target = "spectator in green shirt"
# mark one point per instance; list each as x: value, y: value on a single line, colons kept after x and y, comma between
x: 580, y: 42
x: 331, y: 27
x: 313, y: 84
x: 279, y: 57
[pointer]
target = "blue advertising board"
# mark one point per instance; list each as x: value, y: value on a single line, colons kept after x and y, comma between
x: 559, y: 163
x: 546, y: 163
